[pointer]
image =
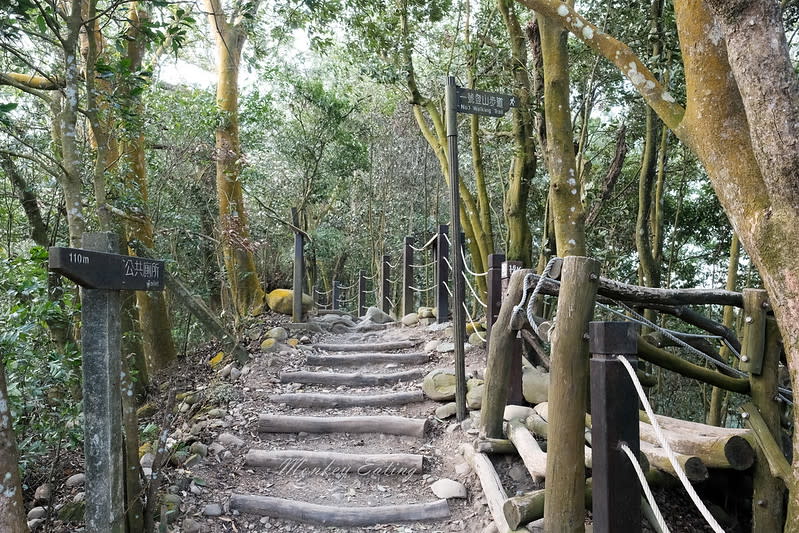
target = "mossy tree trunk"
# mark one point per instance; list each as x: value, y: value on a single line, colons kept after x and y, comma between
x: 230, y: 34
x: 12, y: 507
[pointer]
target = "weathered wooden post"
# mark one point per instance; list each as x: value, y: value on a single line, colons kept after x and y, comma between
x: 385, y: 284
x: 407, y: 277
x: 101, y: 274
x: 564, y: 508
x: 336, y: 296
x: 515, y: 396
x: 614, y: 417
x: 442, y: 274
x: 494, y: 282
x: 361, y: 293
x: 299, y: 268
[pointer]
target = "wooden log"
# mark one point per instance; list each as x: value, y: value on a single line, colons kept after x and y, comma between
x: 776, y: 461
x: 492, y: 486
x: 388, y: 425
x: 701, y: 321
x: 366, y: 347
x: 568, y: 395
x: 416, y: 358
x: 288, y: 461
x: 310, y: 399
x: 534, y: 459
x: 527, y: 508
x: 338, y: 516
x: 692, y: 465
x: 733, y: 451
x: 489, y: 445
x: 357, y: 379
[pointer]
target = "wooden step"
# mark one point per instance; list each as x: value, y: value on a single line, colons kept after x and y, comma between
x: 366, y: 347
x: 357, y: 379
x: 367, y: 359
x: 387, y: 425
x: 290, y: 461
x: 313, y: 399
x: 337, y: 515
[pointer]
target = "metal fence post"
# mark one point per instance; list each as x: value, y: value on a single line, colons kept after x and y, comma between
x: 408, y: 306
x: 386, y: 285
x: 614, y: 414
x: 442, y: 275
x: 361, y: 293
x: 336, y: 296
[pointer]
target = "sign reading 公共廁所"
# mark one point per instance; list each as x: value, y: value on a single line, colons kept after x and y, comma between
x: 100, y: 270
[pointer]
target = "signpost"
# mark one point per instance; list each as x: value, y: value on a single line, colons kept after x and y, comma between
x: 462, y: 100
x: 101, y: 274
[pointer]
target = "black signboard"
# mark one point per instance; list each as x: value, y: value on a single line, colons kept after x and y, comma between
x: 98, y: 270
x: 484, y: 103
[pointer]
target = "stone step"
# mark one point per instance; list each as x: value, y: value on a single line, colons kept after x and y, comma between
x: 327, y: 400
x: 323, y: 462
x: 366, y: 347
x: 385, y: 424
x: 357, y: 379
x: 367, y: 359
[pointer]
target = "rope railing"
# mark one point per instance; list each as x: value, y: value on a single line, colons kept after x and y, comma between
x: 426, y: 265
x: 347, y: 287
x: 446, y: 238
x: 392, y: 265
x: 426, y: 245
x: 473, y: 291
x: 369, y: 278
x: 470, y: 271
x: 469, y: 316
x: 446, y: 286
x: 393, y: 281
x: 390, y: 302
x: 416, y: 289
x: 664, y: 443
x: 447, y: 262
x: 650, y: 498
x: 322, y: 293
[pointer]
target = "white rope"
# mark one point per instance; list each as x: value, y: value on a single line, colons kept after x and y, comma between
x: 669, y: 453
x: 415, y: 289
x: 446, y: 286
x: 391, y: 265
x: 469, y: 315
x: 467, y: 269
x: 644, y: 485
x: 531, y: 302
x: 347, y: 287
x: 474, y: 292
x: 325, y: 293
x: 370, y: 278
x: 447, y: 262
x: 446, y: 238
x: 390, y: 302
x: 393, y: 281
x: 423, y: 266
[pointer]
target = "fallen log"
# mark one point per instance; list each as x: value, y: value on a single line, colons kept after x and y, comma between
x: 520, y: 510
x: 492, y: 487
x: 365, y: 347
x: 289, y: 461
x: 311, y: 513
x: 310, y: 399
x: 692, y: 465
x: 489, y: 445
x: 357, y: 379
x: 388, y: 425
x: 533, y: 458
x: 367, y: 359
x: 732, y: 451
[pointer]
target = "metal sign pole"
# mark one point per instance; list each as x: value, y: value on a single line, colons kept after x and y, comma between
x: 458, y: 323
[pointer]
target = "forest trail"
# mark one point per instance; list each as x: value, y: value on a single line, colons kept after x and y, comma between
x: 336, y: 435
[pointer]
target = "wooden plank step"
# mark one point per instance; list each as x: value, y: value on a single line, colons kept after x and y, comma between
x: 337, y: 515
x: 355, y: 380
x: 387, y: 425
x: 367, y: 358
x: 366, y: 347
x: 312, y: 399
x: 290, y: 461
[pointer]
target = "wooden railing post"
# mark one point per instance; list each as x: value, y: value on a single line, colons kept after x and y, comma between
x: 299, y: 269
x: 386, y: 285
x: 408, y: 306
x: 335, y: 304
x: 564, y: 507
x: 494, y: 283
x: 515, y: 393
x: 442, y: 275
x: 614, y: 417
x: 361, y: 293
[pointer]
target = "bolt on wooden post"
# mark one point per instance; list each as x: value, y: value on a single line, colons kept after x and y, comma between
x: 101, y: 274
x: 614, y: 417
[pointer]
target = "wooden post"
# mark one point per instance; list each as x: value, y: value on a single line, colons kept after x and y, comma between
x: 564, y: 509
x: 494, y: 283
x: 361, y: 293
x: 617, y: 494
x: 459, y: 328
x: 385, y: 284
x: 336, y: 296
x: 761, y: 346
x: 515, y: 393
x: 442, y: 275
x: 299, y: 269
x: 408, y: 306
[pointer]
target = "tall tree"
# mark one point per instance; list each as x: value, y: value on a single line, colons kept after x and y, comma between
x: 12, y: 508
x: 230, y: 34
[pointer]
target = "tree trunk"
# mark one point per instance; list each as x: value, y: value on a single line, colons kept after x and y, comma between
x: 12, y: 508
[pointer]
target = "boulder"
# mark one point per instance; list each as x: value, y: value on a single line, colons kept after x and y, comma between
x: 282, y: 301
x: 445, y: 347
x: 278, y: 333
x: 411, y: 319
x: 448, y: 488
x: 447, y: 410
x: 476, y: 340
x: 474, y: 393
x: 471, y: 327
x: 517, y: 411
x: 535, y: 385
x: 425, y: 312
x: 439, y: 385
x: 43, y: 493
x: 377, y: 316
x: 74, y: 481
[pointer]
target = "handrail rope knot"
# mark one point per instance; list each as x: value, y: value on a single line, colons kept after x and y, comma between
x: 531, y: 301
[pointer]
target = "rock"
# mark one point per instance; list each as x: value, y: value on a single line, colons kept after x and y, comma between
x: 474, y: 397
x: 72, y: 512
x: 448, y: 488
x: 293, y: 342
x: 216, y: 448
x: 430, y: 346
x: 278, y: 333
x: 215, y: 360
x: 191, y: 526
x: 37, y: 512
x: 535, y: 385
x: 425, y: 312
x: 197, y: 428
x: 213, y: 509
x: 438, y: 326
x: 445, y: 347
x: 193, y: 460
x: 411, y: 319
x: 518, y: 472
x: 268, y: 345
x: 447, y: 410
x: 230, y: 441
x: 471, y: 327
x: 282, y: 301
x: 35, y: 524
x: 146, y: 410
x: 377, y: 316
x: 147, y: 460
x: 225, y: 372
x: 475, y: 339
x: 305, y: 339
x: 517, y: 411
x: 74, y: 481
x: 43, y: 493
x: 79, y: 497
x: 462, y: 468
x: 426, y: 321
x: 439, y: 385
x: 490, y: 528
x: 235, y: 374
x: 199, y: 448
x: 171, y: 501
x: 216, y: 413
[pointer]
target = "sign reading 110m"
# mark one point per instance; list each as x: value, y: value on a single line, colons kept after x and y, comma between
x: 99, y: 270
x: 484, y: 103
